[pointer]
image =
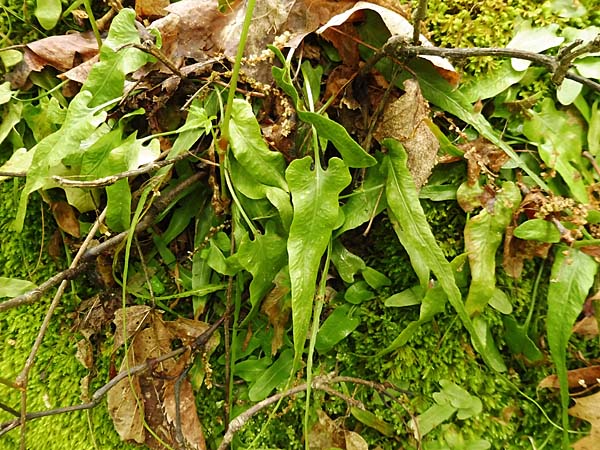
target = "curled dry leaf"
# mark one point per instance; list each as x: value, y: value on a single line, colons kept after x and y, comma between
x: 66, y: 218
x: 397, y: 25
x: 61, y: 52
x: 516, y: 251
x: 405, y: 119
x: 150, y: 397
x: 588, y: 409
x: 483, y: 157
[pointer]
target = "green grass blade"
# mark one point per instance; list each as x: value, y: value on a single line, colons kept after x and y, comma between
x: 572, y: 277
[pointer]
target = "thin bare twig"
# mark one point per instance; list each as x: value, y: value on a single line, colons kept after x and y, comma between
x: 112, y: 179
x: 319, y: 383
x: 397, y: 47
x: 13, y: 174
x: 159, y: 205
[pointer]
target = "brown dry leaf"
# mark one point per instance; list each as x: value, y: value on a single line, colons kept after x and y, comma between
x: 578, y: 379
x: 482, y: 157
x: 61, y: 52
x: 587, y: 327
x: 79, y: 73
x: 592, y: 250
x: 354, y: 441
x: 397, y: 25
x: 325, y: 433
x: 124, y: 409
x: 135, y: 319
x: 66, y: 218
x: 405, y: 120
x: 196, y: 29
x: 151, y: 9
x: 588, y: 409
x: 329, y: 433
x: 338, y: 81
x: 277, y: 306
x: 153, y: 395
x: 341, y: 37
x: 516, y: 251
x: 191, y: 428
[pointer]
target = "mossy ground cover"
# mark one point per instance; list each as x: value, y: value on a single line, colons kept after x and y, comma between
x: 439, y: 350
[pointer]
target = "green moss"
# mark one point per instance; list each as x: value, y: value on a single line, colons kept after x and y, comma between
x: 491, y: 23
x: 441, y: 349
x: 55, y: 379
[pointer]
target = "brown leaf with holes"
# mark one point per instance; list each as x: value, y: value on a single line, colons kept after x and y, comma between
x: 406, y: 120
x: 66, y: 218
x: 578, y: 379
x: 482, y: 157
x: 150, y: 397
x: 588, y: 409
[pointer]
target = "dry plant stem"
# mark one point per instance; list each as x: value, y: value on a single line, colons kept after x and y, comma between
x: 592, y: 160
x: 419, y: 15
x: 112, y: 179
x: 397, y: 47
x: 320, y: 383
x: 22, y: 378
x: 101, y: 392
x: 159, y: 205
x: 13, y: 174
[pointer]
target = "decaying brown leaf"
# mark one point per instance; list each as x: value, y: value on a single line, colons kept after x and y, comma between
x: 397, y: 25
x: 328, y: 433
x: 516, y: 251
x: 482, y: 157
x: 150, y: 397
x: 66, y: 217
x: 61, y: 52
x: 151, y: 9
x: 587, y: 327
x: 277, y: 306
x: 405, y: 119
x: 588, y: 409
x: 578, y: 379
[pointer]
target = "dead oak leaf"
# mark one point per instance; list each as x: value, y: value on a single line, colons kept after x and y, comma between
x: 406, y: 120
x: 588, y: 409
x: 277, y: 306
x: 329, y: 433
